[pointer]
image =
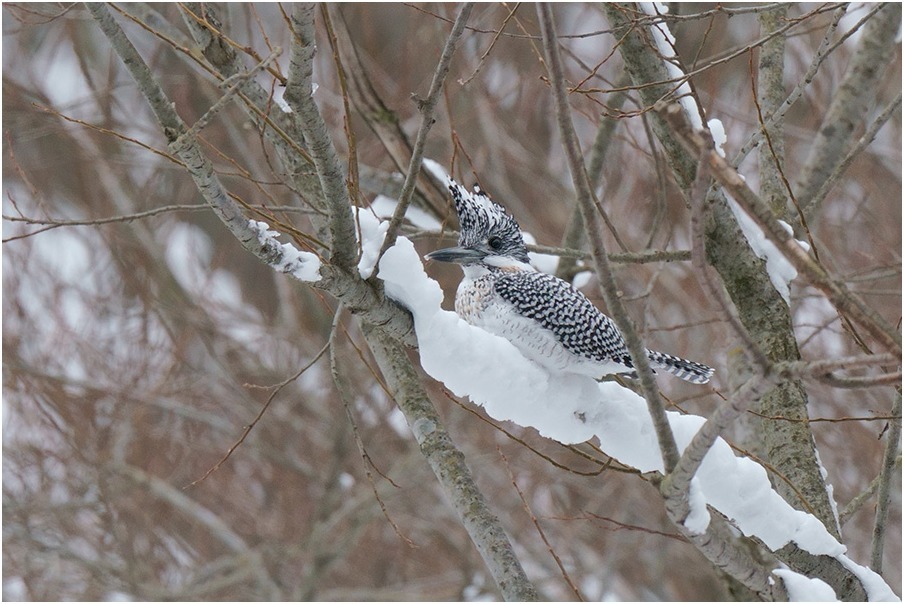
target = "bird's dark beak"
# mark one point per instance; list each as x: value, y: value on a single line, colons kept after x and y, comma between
x: 459, y: 255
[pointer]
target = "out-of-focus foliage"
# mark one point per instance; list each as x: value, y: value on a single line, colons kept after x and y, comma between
x: 135, y: 352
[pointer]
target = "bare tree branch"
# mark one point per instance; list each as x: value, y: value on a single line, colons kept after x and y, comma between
x: 668, y: 449
x: 886, y: 477
x: 845, y: 113
x: 426, y: 107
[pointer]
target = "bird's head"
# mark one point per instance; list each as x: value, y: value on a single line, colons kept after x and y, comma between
x: 489, y: 235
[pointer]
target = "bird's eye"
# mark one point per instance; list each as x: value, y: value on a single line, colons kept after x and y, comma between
x: 495, y: 242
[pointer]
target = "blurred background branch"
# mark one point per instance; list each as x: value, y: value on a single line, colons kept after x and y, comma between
x: 140, y: 338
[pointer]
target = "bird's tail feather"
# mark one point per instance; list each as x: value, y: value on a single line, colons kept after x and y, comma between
x: 689, y: 371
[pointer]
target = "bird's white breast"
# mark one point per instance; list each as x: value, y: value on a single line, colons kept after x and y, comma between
x: 478, y: 304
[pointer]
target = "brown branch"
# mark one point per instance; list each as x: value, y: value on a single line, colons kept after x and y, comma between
x: 589, y: 211
x: 701, y: 144
x: 426, y: 107
x: 539, y: 528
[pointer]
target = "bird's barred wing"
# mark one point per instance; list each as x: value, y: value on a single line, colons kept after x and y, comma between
x: 557, y: 306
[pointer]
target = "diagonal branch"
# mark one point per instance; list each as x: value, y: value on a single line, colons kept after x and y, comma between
x: 698, y: 143
x: 426, y: 107
x: 300, y: 97
x: 189, y: 152
x: 775, y: 118
x: 667, y: 446
x: 448, y: 463
x: 846, y: 111
x: 864, y: 141
x: 346, y: 285
x: 675, y: 487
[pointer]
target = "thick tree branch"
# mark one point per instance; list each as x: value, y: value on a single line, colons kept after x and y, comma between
x: 846, y: 111
x: 771, y: 93
x: 300, y: 97
x: 886, y: 477
x: 760, y: 308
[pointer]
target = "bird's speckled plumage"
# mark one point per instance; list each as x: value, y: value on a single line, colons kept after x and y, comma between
x: 546, y: 318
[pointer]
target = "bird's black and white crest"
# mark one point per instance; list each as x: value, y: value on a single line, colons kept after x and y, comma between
x: 482, y: 219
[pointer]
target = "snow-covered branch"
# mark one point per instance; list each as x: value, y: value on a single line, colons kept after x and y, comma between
x: 572, y: 408
x: 700, y: 142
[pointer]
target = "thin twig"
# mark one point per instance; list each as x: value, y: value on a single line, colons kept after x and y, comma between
x: 426, y: 107
x: 668, y: 448
x: 247, y: 429
x: 539, y: 528
x: 486, y: 53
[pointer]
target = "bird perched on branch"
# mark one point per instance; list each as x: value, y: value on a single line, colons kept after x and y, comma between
x: 546, y: 318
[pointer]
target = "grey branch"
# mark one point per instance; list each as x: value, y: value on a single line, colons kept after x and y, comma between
x: 448, y: 463
x: 668, y: 448
x: 300, y: 97
x: 864, y: 141
x: 676, y: 485
x: 886, y: 476
x: 857, y: 502
x: 773, y: 119
x: 846, y: 111
x: 771, y: 92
